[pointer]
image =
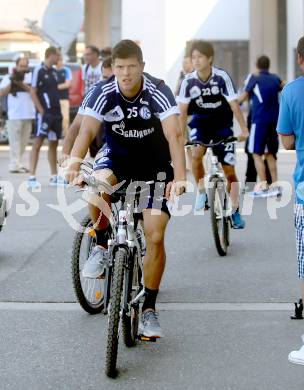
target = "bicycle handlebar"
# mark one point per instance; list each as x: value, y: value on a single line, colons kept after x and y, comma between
x: 213, y: 144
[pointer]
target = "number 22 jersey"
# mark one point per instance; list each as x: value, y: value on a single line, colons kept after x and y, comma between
x: 209, y: 100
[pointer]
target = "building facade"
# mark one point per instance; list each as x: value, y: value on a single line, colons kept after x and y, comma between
x: 240, y: 30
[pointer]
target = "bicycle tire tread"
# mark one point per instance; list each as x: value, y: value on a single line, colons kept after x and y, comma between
x: 75, y: 271
x: 219, y: 248
x: 114, y: 314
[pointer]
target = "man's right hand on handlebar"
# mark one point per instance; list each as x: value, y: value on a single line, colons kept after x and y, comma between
x: 73, y: 175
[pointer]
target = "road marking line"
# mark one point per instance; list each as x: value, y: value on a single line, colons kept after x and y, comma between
x: 176, y: 306
x: 5, y: 148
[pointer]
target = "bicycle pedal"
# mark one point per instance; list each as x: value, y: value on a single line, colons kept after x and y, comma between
x: 298, y: 311
x: 144, y: 338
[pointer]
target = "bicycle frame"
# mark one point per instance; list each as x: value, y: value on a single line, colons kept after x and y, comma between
x: 124, y: 237
x: 215, y: 168
x: 123, y: 223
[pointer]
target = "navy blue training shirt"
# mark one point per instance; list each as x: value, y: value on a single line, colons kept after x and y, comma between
x: 46, y: 81
x: 133, y: 127
x: 263, y: 89
x: 209, y: 100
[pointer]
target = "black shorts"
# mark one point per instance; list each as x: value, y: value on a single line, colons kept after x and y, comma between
x: 263, y: 138
x: 224, y: 152
x: 153, y: 194
x: 49, y: 125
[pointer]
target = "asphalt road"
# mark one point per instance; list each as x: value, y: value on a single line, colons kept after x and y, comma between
x: 226, y: 320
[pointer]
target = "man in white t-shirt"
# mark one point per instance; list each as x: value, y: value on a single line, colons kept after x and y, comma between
x: 91, y: 70
x: 21, y: 112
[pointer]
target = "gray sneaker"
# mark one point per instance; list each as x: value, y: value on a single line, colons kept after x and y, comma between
x: 95, y: 265
x: 149, y: 325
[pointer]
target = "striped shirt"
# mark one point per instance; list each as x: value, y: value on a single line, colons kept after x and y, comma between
x: 133, y: 126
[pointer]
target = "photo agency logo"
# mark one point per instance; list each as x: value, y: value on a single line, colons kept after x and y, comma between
x: 152, y: 194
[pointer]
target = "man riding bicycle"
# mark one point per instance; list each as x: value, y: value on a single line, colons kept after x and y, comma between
x: 209, y: 95
x: 143, y: 136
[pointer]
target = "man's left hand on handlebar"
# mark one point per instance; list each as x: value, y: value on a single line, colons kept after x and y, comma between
x: 175, y: 188
x: 73, y: 175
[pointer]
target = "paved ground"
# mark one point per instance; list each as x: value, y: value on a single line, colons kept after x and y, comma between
x: 226, y: 320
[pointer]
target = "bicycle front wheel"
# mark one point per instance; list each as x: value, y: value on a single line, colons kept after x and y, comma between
x: 114, y: 312
x: 219, y: 221
x: 89, y: 292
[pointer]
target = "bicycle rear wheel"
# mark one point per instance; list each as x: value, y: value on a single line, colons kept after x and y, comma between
x: 219, y: 221
x: 114, y: 312
x: 89, y: 292
x: 132, y: 288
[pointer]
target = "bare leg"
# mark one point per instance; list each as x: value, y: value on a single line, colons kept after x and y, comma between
x: 260, y: 167
x: 272, y: 165
x: 155, y: 258
x: 35, y: 154
x: 188, y: 158
x: 233, y: 185
x: 52, y: 156
x: 100, y: 208
x: 198, y: 167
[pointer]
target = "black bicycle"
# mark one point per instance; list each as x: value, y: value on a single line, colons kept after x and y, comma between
x: 218, y: 197
x: 119, y: 294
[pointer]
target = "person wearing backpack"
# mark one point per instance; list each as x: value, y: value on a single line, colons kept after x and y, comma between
x: 91, y: 70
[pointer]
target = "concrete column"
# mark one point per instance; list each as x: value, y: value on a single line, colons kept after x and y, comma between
x: 102, y: 23
x: 263, y: 32
x: 97, y: 22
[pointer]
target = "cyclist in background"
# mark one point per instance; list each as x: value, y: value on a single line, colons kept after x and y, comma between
x: 209, y: 95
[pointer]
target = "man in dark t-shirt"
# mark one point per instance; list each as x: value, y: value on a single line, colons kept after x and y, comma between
x: 45, y: 95
x: 262, y: 89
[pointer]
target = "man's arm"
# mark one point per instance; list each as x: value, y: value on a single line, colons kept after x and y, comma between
x: 288, y: 141
x: 88, y: 131
x: 244, y: 96
x: 183, y: 117
x: 175, y: 139
x: 69, y: 140
x: 240, y: 118
x: 33, y: 92
x: 65, y: 85
x: 285, y: 124
x: 5, y: 91
x: 72, y: 134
